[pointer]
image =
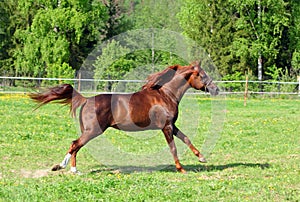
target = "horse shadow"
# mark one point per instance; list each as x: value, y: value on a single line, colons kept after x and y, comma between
x: 170, y: 168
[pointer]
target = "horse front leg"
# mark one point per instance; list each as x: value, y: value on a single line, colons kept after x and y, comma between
x: 75, y: 147
x: 168, y: 132
x: 187, y: 141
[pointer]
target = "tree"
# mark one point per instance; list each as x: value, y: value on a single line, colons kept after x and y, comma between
x: 211, y: 24
x: 159, y: 14
x: 151, y: 16
x: 8, y: 25
x: 5, y: 36
x: 265, y: 35
x: 116, y: 22
x: 294, y: 37
x: 112, y: 63
x: 235, y: 34
x: 37, y: 36
x: 57, y: 34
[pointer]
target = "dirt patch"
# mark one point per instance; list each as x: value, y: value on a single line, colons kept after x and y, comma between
x: 35, y: 173
x: 41, y: 173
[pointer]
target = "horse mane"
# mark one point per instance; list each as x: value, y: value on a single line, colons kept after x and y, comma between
x: 157, y: 80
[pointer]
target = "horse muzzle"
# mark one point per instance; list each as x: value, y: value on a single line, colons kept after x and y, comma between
x: 213, y: 90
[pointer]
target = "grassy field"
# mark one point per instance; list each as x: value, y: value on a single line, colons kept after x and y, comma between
x: 256, y: 158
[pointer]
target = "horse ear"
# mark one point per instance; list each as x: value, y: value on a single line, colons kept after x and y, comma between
x: 196, y: 66
x: 199, y: 63
x: 175, y: 67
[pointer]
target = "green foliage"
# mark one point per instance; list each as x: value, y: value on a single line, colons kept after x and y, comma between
x: 294, y: 36
x: 36, y: 35
x: 116, y: 61
x: 234, y: 35
x: 156, y: 14
x: 59, y: 71
x: 211, y: 24
x: 6, y: 7
x: 274, y: 72
x: 296, y: 61
x: 112, y: 63
x: 51, y: 33
x: 117, y: 22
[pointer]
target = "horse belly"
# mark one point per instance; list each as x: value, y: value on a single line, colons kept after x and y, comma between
x: 140, y: 121
x: 150, y: 119
x: 127, y: 124
x: 135, y: 127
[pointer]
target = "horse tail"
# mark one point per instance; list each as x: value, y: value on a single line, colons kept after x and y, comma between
x: 64, y: 94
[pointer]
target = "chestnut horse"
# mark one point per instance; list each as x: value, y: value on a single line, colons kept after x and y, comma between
x: 155, y: 106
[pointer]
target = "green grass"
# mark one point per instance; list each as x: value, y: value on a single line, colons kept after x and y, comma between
x: 256, y: 158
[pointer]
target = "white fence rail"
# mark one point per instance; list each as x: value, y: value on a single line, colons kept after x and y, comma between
x: 94, y: 86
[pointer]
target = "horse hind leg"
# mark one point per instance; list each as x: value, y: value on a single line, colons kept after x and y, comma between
x: 91, y: 127
x: 63, y: 164
x: 71, y: 154
x: 74, y: 148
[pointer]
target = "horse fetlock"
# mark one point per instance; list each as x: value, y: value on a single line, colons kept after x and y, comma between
x: 75, y: 171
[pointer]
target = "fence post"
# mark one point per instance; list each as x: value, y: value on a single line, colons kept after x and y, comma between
x: 278, y: 86
x: 298, y: 78
x: 246, y: 92
x: 79, y: 81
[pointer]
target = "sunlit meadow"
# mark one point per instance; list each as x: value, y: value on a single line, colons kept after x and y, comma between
x: 256, y: 158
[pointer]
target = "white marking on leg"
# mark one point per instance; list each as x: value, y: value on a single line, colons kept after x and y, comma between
x: 66, y: 160
x: 73, y: 169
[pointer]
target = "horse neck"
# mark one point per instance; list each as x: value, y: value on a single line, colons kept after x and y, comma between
x: 176, y: 88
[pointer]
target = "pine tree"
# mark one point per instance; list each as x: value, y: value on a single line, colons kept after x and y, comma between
x: 211, y: 24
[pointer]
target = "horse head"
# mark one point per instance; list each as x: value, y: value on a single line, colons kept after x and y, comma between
x: 199, y: 80
x: 178, y: 77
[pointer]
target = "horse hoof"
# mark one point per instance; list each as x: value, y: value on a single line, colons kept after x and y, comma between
x: 76, y: 172
x: 56, y: 167
x: 202, y: 160
x: 181, y: 170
